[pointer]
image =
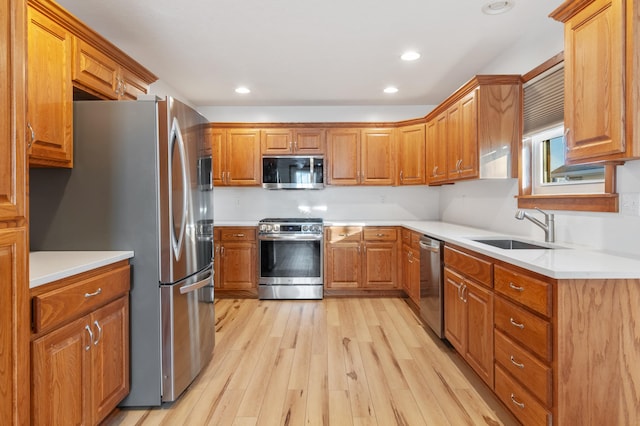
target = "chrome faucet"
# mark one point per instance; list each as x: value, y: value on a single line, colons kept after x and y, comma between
x: 548, y: 226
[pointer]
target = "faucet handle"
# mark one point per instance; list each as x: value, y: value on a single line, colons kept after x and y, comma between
x: 546, y: 215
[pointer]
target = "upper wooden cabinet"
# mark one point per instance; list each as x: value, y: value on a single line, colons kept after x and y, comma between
x: 602, y: 88
x: 98, y: 73
x: 64, y: 55
x: 293, y: 141
x: 235, y: 156
x: 411, y: 155
x: 361, y: 156
x: 481, y: 120
x: 49, y: 92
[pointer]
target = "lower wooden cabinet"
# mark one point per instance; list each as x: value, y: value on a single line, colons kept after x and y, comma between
x: 80, y: 364
x: 468, y: 307
x: 237, y: 259
x: 361, y: 258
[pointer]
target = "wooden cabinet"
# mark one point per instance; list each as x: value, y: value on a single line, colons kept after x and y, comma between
x: 236, y: 156
x: 380, y: 258
x: 361, y: 156
x: 411, y: 155
x: 481, y: 120
x: 238, y: 259
x: 80, y: 350
x: 49, y: 92
x: 342, y: 257
x: 98, y: 73
x: 14, y: 243
x: 523, y: 344
x: 361, y: 258
x: 301, y: 141
x: 602, y: 93
x: 469, y: 310
x: 436, y: 150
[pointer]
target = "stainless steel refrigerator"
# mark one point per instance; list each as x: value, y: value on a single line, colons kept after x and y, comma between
x: 137, y: 185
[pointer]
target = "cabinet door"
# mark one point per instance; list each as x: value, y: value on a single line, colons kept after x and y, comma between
x: 110, y: 357
x: 468, y: 137
x: 437, y: 150
x: 49, y: 92
x: 276, y: 141
x: 216, y: 138
x: 455, y: 313
x: 342, y: 268
x: 238, y: 265
x: 380, y: 265
x: 479, y: 354
x: 309, y: 141
x: 61, y: 369
x: 411, y: 161
x: 344, y: 156
x: 452, y: 140
x: 243, y: 157
x: 594, y: 81
x: 377, y: 157
x: 14, y: 320
x: 414, y: 276
x: 94, y: 70
x: 12, y: 129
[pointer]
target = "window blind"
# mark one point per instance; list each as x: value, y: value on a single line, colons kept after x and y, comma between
x: 544, y: 100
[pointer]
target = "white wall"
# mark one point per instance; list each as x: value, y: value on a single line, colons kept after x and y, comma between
x: 318, y: 114
x: 332, y: 203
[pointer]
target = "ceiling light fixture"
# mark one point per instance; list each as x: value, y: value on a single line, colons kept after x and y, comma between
x: 410, y: 56
x: 391, y: 89
x: 497, y: 7
x: 243, y: 90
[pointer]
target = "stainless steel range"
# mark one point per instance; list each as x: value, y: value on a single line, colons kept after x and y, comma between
x: 290, y: 258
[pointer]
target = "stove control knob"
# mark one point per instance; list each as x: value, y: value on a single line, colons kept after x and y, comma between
x: 276, y: 228
x: 316, y: 228
x: 262, y: 228
x: 305, y: 228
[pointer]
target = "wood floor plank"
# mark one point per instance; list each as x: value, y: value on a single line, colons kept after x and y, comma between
x: 360, y: 361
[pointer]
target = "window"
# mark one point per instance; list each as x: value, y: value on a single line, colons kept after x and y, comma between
x: 545, y: 180
x: 550, y: 173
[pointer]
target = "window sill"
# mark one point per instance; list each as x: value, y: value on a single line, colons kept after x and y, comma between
x: 607, y: 203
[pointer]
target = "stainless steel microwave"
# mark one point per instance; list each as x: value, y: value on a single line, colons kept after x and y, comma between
x: 293, y: 172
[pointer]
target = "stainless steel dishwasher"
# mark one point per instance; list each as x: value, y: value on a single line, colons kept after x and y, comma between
x: 431, y: 284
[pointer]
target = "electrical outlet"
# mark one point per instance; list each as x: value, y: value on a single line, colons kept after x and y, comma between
x: 630, y: 203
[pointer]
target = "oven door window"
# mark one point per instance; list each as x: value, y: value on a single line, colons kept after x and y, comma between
x: 283, y: 260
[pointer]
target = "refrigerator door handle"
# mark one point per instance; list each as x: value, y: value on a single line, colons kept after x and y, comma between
x: 188, y: 288
x: 176, y: 136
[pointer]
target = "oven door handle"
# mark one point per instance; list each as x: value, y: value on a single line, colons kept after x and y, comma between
x: 290, y: 238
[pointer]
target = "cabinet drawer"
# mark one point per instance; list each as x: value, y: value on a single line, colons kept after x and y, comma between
x: 524, y: 367
x: 337, y: 234
x: 524, y: 327
x: 238, y: 234
x: 531, y: 292
x: 478, y: 269
x: 521, y: 403
x: 406, y: 236
x: 58, y: 306
x: 380, y: 234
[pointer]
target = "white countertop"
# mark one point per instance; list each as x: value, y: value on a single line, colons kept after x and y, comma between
x: 49, y: 266
x: 563, y: 262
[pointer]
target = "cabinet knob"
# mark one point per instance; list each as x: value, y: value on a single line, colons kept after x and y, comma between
x: 95, y: 293
x: 435, y: 171
x: 401, y: 176
x: 516, y: 324
x: 516, y: 402
x: 86, y: 327
x: 516, y: 363
x: 99, y: 332
x: 515, y: 287
x: 33, y: 135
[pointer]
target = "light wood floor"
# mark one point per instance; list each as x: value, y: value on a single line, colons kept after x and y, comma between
x: 352, y: 361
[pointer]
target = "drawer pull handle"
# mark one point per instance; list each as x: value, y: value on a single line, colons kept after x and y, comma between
x: 343, y: 235
x: 238, y: 235
x: 516, y: 324
x: 516, y: 402
x: 516, y: 363
x: 86, y: 327
x: 380, y: 235
x: 95, y: 293
x: 515, y: 287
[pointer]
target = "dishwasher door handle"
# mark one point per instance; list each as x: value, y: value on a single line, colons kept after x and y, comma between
x: 429, y: 247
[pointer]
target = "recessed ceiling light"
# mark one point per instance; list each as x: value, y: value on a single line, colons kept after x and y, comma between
x: 391, y: 89
x: 410, y: 56
x: 243, y: 90
x: 497, y: 7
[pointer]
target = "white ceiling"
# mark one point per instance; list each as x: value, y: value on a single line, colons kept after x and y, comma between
x: 312, y: 52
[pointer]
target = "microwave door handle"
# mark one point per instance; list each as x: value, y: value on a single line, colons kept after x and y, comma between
x: 176, y: 136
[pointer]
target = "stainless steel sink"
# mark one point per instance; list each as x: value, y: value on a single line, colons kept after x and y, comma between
x: 509, y: 244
